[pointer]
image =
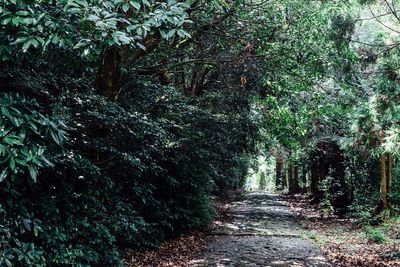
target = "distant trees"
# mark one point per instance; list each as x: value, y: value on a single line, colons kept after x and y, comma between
x: 349, y: 113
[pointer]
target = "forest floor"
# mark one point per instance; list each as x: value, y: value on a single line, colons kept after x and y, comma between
x: 345, y: 241
x: 257, y: 230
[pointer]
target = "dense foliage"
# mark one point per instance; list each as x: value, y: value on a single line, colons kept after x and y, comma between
x: 120, y: 120
x: 86, y: 175
x: 338, y: 127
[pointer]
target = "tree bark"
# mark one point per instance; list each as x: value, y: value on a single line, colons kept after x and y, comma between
x: 314, y: 176
x: 198, y: 78
x: 384, y: 200
x: 337, y: 171
x: 296, y: 178
x: 390, y: 173
x: 304, y: 176
x: 291, y: 177
x: 279, y: 173
x: 109, y: 73
x: 285, y: 176
x: 322, y: 168
x: 108, y: 78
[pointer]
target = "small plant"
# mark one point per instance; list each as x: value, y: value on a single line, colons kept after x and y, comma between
x: 263, y: 181
x: 375, y: 235
x: 312, y: 235
x: 362, y: 213
x: 325, y: 204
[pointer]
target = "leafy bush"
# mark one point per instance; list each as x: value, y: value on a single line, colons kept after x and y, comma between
x: 26, y: 138
x: 375, y: 235
x: 131, y: 173
x: 326, y: 200
x: 362, y: 213
x: 83, y: 176
x: 23, y: 133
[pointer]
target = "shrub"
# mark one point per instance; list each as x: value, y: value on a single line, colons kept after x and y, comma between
x: 129, y: 176
x: 375, y: 235
x: 27, y: 139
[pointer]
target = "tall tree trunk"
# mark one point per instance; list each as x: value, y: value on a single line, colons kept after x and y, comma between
x: 109, y: 73
x: 108, y: 79
x: 322, y: 168
x: 314, y: 176
x: 199, y: 75
x: 279, y: 173
x: 291, y: 177
x: 304, y: 176
x: 390, y: 172
x: 384, y: 200
x: 180, y: 78
x: 285, y: 176
x: 296, y: 178
x: 337, y: 171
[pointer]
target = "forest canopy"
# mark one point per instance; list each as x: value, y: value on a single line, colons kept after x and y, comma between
x: 121, y: 120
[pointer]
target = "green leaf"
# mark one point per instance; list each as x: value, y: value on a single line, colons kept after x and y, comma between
x: 93, y: 18
x: 55, y: 137
x: 6, y: 21
x: 22, y: 13
x: 21, y: 162
x: 124, y: 39
x: 26, y: 223
x: 125, y: 7
x: 171, y: 33
x: 45, y: 160
x: 33, y: 172
x: 163, y: 34
x: 12, y: 140
x: 135, y: 4
x: 182, y: 33
x: 3, y: 175
x: 20, y: 40
x: 6, y: 112
x: 12, y: 164
x: 35, y: 43
x: 26, y: 45
x: 139, y: 31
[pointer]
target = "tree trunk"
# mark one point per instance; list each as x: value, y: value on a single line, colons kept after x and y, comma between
x: 296, y: 178
x: 322, y: 168
x: 337, y: 171
x: 199, y: 75
x: 279, y: 173
x: 108, y: 79
x: 314, y: 176
x: 180, y: 80
x: 285, y: 176
x: 109, y: 73
x: 384, y: 200
x: 304, y: 177
x: 291, y: 177
x: 390, y: 173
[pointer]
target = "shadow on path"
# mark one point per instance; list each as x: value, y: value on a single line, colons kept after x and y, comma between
x: 262, y: 232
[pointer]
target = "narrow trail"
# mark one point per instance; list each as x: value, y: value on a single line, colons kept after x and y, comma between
x: 262, y: 232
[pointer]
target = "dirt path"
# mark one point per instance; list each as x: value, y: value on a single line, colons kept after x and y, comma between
x: 262, y: 232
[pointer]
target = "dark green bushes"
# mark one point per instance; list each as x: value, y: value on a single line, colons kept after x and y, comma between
x: 100, y: 175
x: 112, y: 175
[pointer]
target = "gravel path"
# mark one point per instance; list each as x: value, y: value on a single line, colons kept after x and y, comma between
x: 262, y: 232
